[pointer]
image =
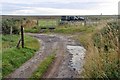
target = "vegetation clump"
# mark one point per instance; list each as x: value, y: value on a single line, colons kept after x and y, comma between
x: 10, y: 26
x: 43, y: 67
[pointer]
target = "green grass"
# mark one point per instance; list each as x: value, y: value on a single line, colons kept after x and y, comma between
x: 65, y: 29
x: 31, y: 43
x: 73, y: 29
x: 12, y: 57
x: 43, y: 67
x: 47, y: 22
x: 42, y: 23
x: 11, y: 41
x: 33, y: 30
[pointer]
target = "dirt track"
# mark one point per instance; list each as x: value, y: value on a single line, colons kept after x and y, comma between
x: 61, y: 68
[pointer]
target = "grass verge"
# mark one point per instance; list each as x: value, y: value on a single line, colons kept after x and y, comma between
x: 43, y: 67
x: 12, y: 57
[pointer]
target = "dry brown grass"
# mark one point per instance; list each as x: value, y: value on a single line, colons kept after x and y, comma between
x: 98, y: 63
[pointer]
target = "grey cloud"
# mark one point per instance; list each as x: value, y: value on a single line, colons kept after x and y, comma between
x: 10, y: 7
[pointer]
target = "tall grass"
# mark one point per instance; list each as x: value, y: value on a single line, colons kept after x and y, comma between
x: 102, y: 54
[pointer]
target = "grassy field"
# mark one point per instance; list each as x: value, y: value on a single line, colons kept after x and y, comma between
x: 46, y: 23
x: 73, y: 30
x: 11, y: 54
x: 33, y: 30
x: 43, y: 67
x: 64, y: 29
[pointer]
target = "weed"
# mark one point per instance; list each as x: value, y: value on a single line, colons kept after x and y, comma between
x: 43, y: 67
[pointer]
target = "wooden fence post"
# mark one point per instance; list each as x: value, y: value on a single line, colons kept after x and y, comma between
x: 22, y: 36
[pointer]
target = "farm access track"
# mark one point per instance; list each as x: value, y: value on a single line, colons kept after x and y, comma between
x: 67, y: 64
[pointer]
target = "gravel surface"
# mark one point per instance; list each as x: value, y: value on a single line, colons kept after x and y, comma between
x: 78, y: 54
x: 69, y: 58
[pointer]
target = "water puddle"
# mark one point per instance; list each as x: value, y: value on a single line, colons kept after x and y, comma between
x: 77, y: 60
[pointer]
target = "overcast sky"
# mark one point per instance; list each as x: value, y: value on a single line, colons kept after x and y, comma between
x: 59, y: 7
